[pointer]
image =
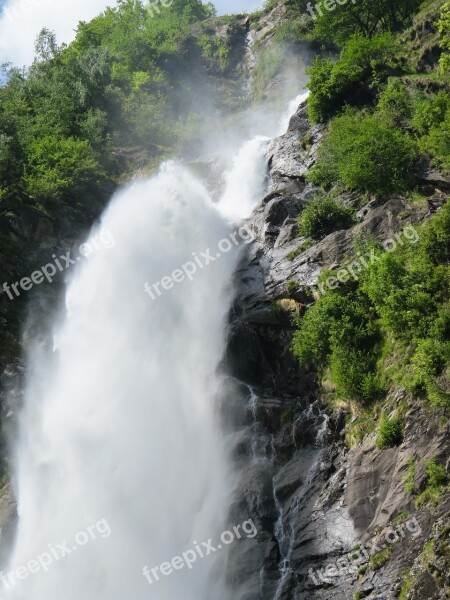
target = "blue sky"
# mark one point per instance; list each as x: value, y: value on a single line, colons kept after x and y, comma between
x: 235, y: 6
x: 223, y: 6
x: 20, y: 26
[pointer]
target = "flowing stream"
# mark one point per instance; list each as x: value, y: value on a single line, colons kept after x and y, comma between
x: 120, y: 462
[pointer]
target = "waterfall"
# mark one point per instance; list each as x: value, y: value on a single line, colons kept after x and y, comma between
x: 290, y: 110
x: 120, y: 462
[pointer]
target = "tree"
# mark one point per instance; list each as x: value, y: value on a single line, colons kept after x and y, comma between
x: 365, y: 153
x: 367, y: 17
x: 363, y: 66
x: 59, y: 168
x: 444, y: 30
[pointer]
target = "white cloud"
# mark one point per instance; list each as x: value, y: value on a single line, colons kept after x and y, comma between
x: 22, y: 20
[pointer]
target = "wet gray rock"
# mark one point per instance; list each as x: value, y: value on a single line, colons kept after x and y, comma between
x: 314, y: 499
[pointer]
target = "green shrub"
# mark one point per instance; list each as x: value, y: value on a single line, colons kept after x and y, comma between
x: 406, y: 587
x: 431, y: 121
x: 400, y: 518
x: 365, y: 16
x: 321, y: 102
x: 429, y: 496
x: 324, y: 215
x: 429, y: 358
x: 444, y: 30
x: 435, y: 237
x: 359, y: 427
x: 437, y: 144
x: 293, y: 30
x: 367, y: 154
x: 429, y: 111
x: 406, y: 289
x: 409, y: 479
x: 436, y: 484
x: 352, y: 373
x: 395, y: 104
x: 437, y: 474
x: 390, y: 432
x: 337, y: 332
x: 363, y: 65
x: 379, y: 559
x: 395, y: 315
x: 59, y: 167
x: 292, y: 286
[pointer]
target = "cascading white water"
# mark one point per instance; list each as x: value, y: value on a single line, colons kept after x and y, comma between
x: 120, y: 423
x: 291, y: 108
x: 243, y: 181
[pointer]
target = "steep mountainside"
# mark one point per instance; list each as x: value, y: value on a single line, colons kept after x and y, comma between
x: 342, y: 459
x: 315, y: 497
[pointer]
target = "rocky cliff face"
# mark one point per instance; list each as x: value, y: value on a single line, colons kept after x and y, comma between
x: 313, y: 499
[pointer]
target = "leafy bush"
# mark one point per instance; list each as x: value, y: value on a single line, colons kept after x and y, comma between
x: 324, y: 215
x: 437, y: 475
x: 429, y: 359
x: 365, y: 153
x: 59, y: 166
x: 437, y: 144
x: 337, y: 332
x: 322, y: 102
x: 436, y: 484
x: 351, y: 372
x: 216, y: 50
x: 399, y: 306
x: 409, y: 479
x: 395, y: 103
x: 379, y: 559
x: 363, y: 65
x: 365, y: 16
x: 435, y: 238
x: 390, y: 432
x: 406, y: 290
x: 444, y: 30
x: 429, y: 111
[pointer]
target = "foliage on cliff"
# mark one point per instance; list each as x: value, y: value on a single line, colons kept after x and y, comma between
x: 125, y: 91
x: 118, y: 84
x: 386, y: 104
x: 401, y: 108
x: 399, y: 306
